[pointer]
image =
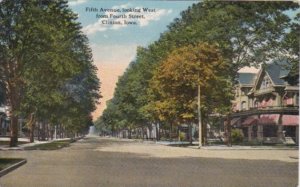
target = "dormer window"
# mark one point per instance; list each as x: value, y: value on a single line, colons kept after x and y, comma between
x: 266, y: 83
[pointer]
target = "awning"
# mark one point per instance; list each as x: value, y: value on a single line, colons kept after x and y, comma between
x: 234, y: 121
x: 250, y: 120
x: 268, y: 119
x: 292, y: 120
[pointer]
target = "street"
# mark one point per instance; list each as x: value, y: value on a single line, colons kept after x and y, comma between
x: 95, y: 162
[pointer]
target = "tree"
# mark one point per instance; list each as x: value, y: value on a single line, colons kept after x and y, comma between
x: 177, y: 78
x: 245, y: 33
x: 291, y: 48
x: 42, y: 53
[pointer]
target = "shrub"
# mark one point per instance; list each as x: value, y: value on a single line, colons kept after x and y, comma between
x: 181, y: 136
x: 236, y: 135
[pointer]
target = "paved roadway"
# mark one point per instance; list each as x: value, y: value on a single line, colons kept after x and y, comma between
x: 81, y: 165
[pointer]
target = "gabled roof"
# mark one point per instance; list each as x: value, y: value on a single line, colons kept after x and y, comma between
x: 246, y: 78
x: 276, y: 70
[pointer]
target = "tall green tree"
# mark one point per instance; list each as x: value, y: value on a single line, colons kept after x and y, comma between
x: 245, y: 33
x: 291, y: 47
x: 42, y: 52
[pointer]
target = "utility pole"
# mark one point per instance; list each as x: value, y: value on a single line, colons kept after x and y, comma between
x: 199, y: 113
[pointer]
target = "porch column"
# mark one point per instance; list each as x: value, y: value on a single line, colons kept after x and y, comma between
x: 278, y: 99
x: 260, y: 131
x: 297, y: 135
x: 250, y: 133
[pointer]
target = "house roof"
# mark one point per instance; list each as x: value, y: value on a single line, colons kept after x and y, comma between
x: 246, y: 78
x: 277, y: 70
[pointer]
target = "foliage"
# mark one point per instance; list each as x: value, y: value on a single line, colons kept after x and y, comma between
x: 237, y: 136
x: 155, y: 89
x: 182, y: 136
x: 46, y: 64
x: 291, y: 47
x: 177, y: 78
x: 246, y: 32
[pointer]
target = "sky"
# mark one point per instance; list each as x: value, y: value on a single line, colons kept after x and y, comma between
x: 114, y: 45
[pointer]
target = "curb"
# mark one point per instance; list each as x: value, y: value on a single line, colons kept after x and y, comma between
x: 22, y: 147
x: 223, y: 148
x: 241, y: 148
x: 11, y: 149
x: 12, y: 167
x: 294, y: 157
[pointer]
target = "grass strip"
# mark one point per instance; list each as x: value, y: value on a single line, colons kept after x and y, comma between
x: 55, y: 145
x: 7, y: 142
x: 6, y: 162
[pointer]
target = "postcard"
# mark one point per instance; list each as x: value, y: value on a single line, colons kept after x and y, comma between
x: 149, y: 93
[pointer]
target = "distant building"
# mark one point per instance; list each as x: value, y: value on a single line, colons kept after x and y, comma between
x: 266, y: 105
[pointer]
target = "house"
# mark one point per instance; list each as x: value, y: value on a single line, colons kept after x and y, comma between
x: 266, y: 105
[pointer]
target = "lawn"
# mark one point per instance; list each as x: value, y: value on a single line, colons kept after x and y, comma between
x: 4, y: 142
x: 6, y: 162
x: 51, y: 145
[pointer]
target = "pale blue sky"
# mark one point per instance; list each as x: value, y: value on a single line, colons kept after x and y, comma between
x: 115, y: 47
x: 119, y: 44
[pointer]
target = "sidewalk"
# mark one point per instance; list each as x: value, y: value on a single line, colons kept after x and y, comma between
x: 244, y: 147
x: 23, y: 145
x: 208, y: 147
x: 225, y: 147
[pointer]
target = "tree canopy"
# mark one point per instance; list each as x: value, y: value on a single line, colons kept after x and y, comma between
x: 160, y: 83
x: 46, y: 64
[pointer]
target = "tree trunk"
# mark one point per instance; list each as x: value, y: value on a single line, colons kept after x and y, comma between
x: 150, y: 131
x: 229, y: 131
x: 204, y: 133
x: 43, y: 134
x: 178, y: 134
x: 171, y: 128
x: 190, y: 134
x: 1, y: 129
x: 31, y: 133
x: 227, y: 127
x: 157, y: 132
x: 51, y: 132
x: 13, y: 131
x: 60, y: 131
x: 129, y: 133
x: 31, y: 125
x: 48, y: 132
x: 146, y: 132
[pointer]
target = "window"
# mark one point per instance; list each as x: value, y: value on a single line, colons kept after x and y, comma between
x: 244, y: 105
x: 244, y: 91
x: 256, y: 103
x: 266, y: 83
x: 237, y: 91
